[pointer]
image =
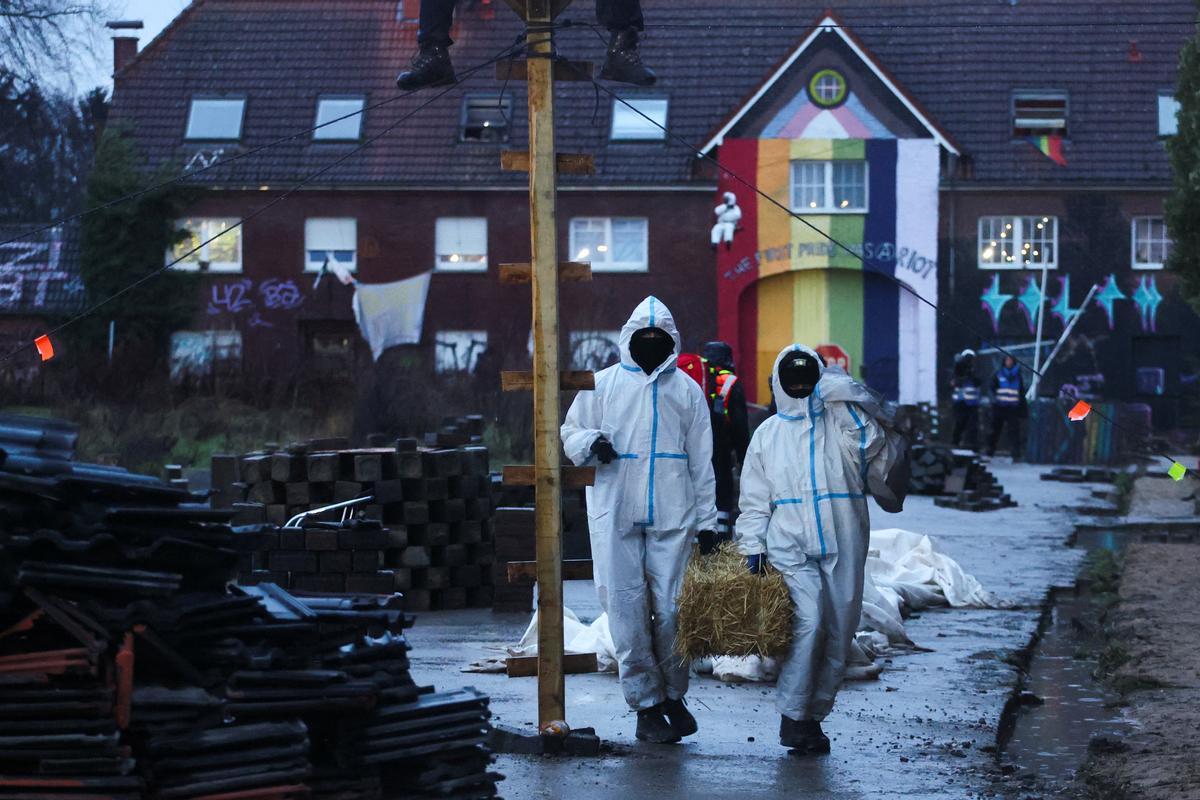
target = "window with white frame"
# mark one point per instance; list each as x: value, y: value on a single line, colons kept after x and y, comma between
x: 458, y: 351
x: 1151, y: 243
x: 594, y: 350
x: 611, y: 244
x: 216, y: 119
x: 1168, y: 114
x: 222, y: 254
x: 829, y: 187
x: 1018, y: 242
x: 332, y: 241
x: 639, y: 119
x: 485, y: 118
x: 199, y: 354
x: 348, y: 113
x: 461, y: 244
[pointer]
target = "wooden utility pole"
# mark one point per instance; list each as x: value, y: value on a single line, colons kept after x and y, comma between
x: 546, y: 381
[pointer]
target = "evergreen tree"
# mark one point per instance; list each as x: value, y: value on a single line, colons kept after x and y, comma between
x: 128, y: 243
x: 1183, y: 207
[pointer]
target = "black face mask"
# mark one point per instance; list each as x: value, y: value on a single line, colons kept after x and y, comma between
x: 650, y: 351
x: 798, y: 375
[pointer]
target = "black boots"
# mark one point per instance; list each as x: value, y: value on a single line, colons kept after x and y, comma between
x: 652, y: 726
x: 430, y: 67
x: 623, y: 63
x: 804, y: 736
x: 682, y: 721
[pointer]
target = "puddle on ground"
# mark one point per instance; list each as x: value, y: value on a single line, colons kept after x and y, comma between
x: 1051, y: 739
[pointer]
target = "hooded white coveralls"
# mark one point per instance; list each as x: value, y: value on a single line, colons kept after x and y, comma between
x: 729, y: 214
x: 803, y: 503
x: 646, y: 505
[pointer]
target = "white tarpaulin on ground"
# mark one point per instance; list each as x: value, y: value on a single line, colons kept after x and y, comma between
x: 389, y: 314
x: 905, y: 572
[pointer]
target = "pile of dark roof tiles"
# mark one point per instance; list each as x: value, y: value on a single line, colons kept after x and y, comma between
x: 130, y: 667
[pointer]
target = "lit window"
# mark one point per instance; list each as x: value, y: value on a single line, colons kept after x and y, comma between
x: 629, y: 124
x: 1151, y: 243
x: 829, y: 186
x: 611, y: 244
x: 216, y: 120
x: 335, y: 108
x: 485, y: 118
x: 458, y: 351
x: 222, y: 254
x: 1168, y: 114
x: 594, y: 350
x: 332, y: 241
x: 1018, y: 242
x: 1039, y: 114
x: 202, y: 354
x: 461, y: 244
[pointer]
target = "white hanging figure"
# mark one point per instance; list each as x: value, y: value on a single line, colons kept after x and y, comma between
x: 728, y: 216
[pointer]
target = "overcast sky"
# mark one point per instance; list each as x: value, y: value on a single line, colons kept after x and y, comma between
x: 155, y: 13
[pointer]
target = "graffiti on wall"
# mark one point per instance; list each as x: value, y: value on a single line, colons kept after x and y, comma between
x: 1146, y: 297
x: 33, y: 277
x: 240, y: 297
x: 1147, y: 300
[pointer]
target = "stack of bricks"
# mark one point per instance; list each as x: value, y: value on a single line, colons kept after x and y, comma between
x: 435, y: 540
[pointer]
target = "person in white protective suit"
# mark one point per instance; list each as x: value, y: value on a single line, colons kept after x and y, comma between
x: 646, y: 428
x: 729, y: 214
x: 804, y: 509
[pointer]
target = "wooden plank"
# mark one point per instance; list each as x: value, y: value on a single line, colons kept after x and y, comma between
x: 579, y: 569
x: 570, y: 71
x: 568, y: 381
x: 568, y: 272
x: 572, y: 664
x: 565, y: 163
x: 572, y: 477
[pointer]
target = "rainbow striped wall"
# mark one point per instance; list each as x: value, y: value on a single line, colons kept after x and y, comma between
x: 783, y: 282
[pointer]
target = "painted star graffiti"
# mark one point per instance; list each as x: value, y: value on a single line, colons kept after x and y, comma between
x: 1062, y: 304
x: 1030, y: 299
x: 1109, y: 294
x: 993, y: 302
x: 1147, y: 299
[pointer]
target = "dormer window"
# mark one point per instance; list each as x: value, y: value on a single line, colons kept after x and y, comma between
x: 216, y: 119
x: 485, y: 118
x: 639, y: 119
x: 1039, y: 114
x: 1168, y: 114
x: 339, y: 119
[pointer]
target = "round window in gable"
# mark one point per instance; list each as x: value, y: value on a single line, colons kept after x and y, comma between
x: 827, y: 88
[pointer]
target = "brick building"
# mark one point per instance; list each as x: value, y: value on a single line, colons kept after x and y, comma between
x: 901, y: 130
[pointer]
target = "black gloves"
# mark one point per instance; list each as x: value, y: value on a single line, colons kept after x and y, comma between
x: 604, y: 451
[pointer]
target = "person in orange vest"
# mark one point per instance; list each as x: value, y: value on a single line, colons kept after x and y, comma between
x: 731, y: 431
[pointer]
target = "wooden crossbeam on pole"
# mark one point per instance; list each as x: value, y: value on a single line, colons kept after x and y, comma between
x: 565, y: 163
x: 570, y: 71
x: 572, y: 477
x: 570, y: 381
x: 574, y: 569
x: 568, y: 272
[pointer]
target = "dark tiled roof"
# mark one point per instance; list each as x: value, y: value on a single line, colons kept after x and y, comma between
x: 39, y: 275
x: 960, y: 60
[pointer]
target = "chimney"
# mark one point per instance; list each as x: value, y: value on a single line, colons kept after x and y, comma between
x: 125, y: 43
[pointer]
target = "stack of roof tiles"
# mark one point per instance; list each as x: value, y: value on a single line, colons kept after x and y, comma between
x: 130, y: 667
x: 435, y: 506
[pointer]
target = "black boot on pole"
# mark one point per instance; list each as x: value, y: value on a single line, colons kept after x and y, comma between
x: 624, y: 63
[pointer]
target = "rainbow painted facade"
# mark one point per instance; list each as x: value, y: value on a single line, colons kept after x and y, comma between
x: 831, y: 137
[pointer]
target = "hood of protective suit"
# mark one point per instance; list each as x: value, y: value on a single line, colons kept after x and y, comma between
x: 650, y: 313
x: 834, y: 385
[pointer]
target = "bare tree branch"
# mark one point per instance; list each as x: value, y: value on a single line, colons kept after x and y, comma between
x: 45, y: 41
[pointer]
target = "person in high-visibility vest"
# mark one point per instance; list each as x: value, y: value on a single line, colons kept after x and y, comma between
x: 731, y: 431
x: 965, y: 396
x: 1008, y: 405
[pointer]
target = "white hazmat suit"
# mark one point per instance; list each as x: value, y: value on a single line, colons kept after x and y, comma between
x: 728, y: 214
x: 646, y: 505
x: 804, y: 504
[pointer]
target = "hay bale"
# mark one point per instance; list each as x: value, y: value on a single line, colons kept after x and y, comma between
x: 725, y: 610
